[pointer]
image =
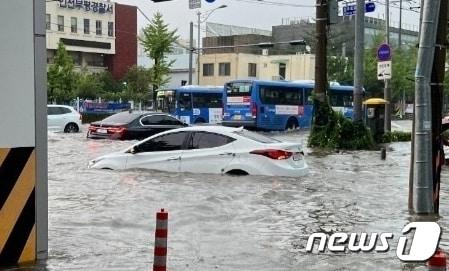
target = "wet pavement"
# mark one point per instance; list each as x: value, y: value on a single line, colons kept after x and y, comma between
x: 105, y: 220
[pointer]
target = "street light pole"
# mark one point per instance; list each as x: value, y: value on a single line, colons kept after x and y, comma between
x: 387, y: 90
x: 206, y: 14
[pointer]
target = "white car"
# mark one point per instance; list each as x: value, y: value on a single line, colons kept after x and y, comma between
x: 62, y: 118
x: 210, y: 149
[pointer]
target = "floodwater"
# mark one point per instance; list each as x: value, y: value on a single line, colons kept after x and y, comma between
x: 105, y: 220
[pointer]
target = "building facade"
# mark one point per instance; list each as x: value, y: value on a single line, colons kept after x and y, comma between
x: 99, y: 35
x: 220, y: 68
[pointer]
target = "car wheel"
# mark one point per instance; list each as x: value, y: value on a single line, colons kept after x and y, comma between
x: 237, y: 172
x: 292, y: 124
x: 71, y: 128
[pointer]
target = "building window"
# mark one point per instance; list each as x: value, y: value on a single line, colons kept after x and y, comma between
x: 110, y: 29
x: 98, y: 27
x: 252, y: 69
x: 282, y: 70
x: 48, y: 21
x: 60, y: 23
x: 208, y: 69
x: 73, y: 24
x: 224, y: 69
x: 86, y: 26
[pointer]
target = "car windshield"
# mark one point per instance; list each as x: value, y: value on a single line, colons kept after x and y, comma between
x: 256, y: 137
x: 124, y: 117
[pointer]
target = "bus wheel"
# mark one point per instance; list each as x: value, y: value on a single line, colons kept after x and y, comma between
x: 199, y: 121
x: 292, y: 124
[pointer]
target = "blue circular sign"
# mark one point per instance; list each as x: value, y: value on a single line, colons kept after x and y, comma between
x: 210, y: 1
x: 384, y: 52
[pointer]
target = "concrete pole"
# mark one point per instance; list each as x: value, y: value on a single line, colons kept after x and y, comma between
x: 422, y: 178
x: 198, y: 49
x: 387, y: 90
x: 358, y: 59
x: 191, y: 54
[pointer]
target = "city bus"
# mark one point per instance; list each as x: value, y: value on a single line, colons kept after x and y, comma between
x: 277, y: 105
x: 192, y: 104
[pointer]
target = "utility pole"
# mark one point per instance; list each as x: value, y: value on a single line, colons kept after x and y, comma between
x: 437, y: 88
x: 400, y: 25
x: 191, y: 54
x: 198, y: 49
x: 422, y: 178
x: 321, y: 52
x: 358, y: 58
x: 387, y: 90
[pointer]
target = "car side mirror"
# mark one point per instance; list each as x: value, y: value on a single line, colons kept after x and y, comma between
x: 133, y: 150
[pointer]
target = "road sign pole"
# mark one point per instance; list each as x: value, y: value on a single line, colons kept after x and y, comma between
x: 387, y: 90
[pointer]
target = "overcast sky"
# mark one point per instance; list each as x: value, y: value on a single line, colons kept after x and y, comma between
x: 251, y: 13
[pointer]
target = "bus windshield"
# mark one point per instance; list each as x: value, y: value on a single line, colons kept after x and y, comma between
x: 238, y: 89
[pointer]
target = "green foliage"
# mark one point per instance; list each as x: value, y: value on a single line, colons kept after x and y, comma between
x: 341, y: 69
x: 157, y: 41
x: 138, y: 80
x: 89, y: 86
x: 337, y: 132
x: 61, y: 77
x: 404, y: 65
x: 396, y: 136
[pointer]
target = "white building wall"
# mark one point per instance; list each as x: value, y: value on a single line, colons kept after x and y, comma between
x: 62, y: 8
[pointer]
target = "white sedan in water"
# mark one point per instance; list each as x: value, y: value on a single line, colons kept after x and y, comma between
x: 210, y: 149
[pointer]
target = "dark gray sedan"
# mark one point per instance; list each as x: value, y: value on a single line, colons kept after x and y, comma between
x: 133, y: 125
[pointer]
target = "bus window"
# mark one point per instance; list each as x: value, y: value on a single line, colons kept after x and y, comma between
x: 281, y: 95
x: 238, y: 89
x: 309, y: 96
x: 341, y: 100
x: 211, y: 100
x: 185, y: 101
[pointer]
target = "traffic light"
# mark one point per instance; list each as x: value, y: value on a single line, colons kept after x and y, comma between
x: 183, y: 82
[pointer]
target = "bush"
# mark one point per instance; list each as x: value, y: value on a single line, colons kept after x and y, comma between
x: 396, y: 136
x: 334, y: 131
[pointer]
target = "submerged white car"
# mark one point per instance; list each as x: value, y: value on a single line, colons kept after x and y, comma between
x: 210, y: 149
x: 63, y: 118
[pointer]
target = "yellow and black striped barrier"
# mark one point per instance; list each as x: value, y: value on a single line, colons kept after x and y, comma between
x: 17, y: 205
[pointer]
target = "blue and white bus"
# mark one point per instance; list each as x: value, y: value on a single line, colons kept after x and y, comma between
x: 277, y: 105
x: 193, y: 104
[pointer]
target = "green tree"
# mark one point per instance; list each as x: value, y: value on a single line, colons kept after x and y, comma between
x: 402, y: 80
x: 341, y: 69
x: 89, y: 86
x: 61, y: 77
x: 157, y: 41
x: 137, y: 81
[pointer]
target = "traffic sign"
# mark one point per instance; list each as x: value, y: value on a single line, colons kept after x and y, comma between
x: 351, y: 9
x: 384, y: 70
x: 384, y: 52
x: 210, y: 1
x: 370, y: 7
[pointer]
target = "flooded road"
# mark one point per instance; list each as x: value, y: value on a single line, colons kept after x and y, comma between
x: 105, y: 220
